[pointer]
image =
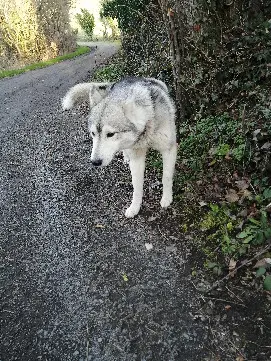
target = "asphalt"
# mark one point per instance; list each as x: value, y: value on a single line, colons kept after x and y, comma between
x: 77, y: 282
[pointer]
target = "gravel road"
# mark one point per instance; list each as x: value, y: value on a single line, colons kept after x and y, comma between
x: 77, y: 282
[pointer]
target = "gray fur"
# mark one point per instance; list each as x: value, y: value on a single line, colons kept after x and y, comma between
x: 131, y: 115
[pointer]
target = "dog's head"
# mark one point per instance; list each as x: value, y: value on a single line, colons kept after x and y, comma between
x: 117, y: 118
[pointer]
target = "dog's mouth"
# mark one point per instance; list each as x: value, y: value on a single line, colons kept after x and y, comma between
x: 97, y: 162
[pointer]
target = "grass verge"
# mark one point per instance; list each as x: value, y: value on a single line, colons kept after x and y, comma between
x: 42, y: 64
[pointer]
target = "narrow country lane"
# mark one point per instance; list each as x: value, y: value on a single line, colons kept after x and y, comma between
x: 77, y: 282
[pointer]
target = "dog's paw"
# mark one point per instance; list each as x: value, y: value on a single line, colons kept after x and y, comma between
x: 132, y: 211
x: 166, y: 201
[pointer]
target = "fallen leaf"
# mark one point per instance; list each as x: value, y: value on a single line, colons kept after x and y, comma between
x: 242, y: 184
x: 170, y: 12
x: 99, y: 226
x: 212, y: 162
x: 227, y: 307
x: 125, y: 278
x: 263, y: 262
x: 232, y: 266
x: 228, y: 157
x: 266, y: 145
x: 240, y: 358
x: 232, y: 196
x: 148, y: 246
x: 246, y: 193
x: 202, y: 203
x: 255, y: 133
x: 243, y: 213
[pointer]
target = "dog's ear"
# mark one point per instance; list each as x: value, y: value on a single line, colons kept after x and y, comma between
x: 93, y: 92
x: 138, y: 108
x: 97, y: 92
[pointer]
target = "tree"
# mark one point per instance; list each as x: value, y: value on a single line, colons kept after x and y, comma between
x: 33, y: 30
x: 86, y: 21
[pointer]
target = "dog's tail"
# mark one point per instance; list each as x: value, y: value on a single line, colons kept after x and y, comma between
x: 93, y: 92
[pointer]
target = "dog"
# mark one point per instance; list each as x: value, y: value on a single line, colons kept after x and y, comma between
x: 131, y: 115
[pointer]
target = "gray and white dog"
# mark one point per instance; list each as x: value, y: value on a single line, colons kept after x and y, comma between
x: 131, y: 115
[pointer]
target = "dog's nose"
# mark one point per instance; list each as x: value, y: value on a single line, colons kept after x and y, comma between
x: 97, y: 162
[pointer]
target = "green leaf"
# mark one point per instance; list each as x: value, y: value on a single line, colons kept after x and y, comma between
x: 259, y: 237
x: 254, y: 221
x: 267, y: 283
x: 244, y: 234
x: 267, y: 233
x: 261, y: 271
x: 248, y: 239
x: 214, y: 208
x: 267, y: 193
x: 217, y: 270
x: 211, y: 265
x: 229, y: 226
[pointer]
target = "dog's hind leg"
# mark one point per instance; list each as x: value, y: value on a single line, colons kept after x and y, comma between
x: 169, y: 160
x: 137, y: 167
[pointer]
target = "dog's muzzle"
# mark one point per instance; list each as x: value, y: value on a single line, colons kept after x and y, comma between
x: 97, y: 162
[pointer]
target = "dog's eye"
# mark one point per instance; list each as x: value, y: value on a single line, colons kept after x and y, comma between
x: 109, y: 135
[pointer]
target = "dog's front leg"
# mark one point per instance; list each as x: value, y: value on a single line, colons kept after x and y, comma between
x: 169, y: 160
x: 137, y: 167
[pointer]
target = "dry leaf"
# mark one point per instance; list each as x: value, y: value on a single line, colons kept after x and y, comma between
x: 246, y: 193
x: 227, y: 307
x: 99, y: 226
x: 235, y: 175
x: 242, y: 184
x: 263, y: 262
x: 266, y: 145
x: 232, y: 266
x: 227, y: 156
x: 232, y: 196
x: 255, y: 133
x: 240, y: 358
x: 202, y: 203
x: 148, y: 246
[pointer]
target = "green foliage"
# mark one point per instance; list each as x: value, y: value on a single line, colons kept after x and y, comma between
x: 86, y: 21
x: 144, y: 38
x: 257, y: 231
x: 222, y: 224
x: 215, y: 136
x: 129, y: 13
x: 110, y: 73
